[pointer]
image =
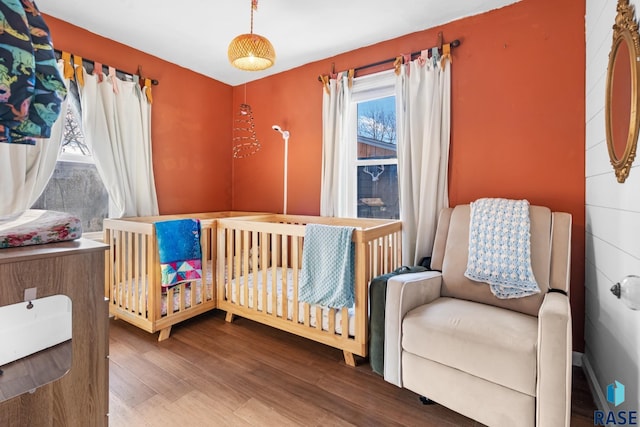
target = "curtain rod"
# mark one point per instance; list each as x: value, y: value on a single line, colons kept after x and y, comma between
x: 92, y: 63
x: 454, y: 43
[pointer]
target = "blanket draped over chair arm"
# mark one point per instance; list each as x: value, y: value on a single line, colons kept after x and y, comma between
x: 404, y: 293
x: 554, y: 345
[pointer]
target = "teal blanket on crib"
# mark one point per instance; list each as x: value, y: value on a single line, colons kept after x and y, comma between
x: 327, y: 274
x: 179, y: 250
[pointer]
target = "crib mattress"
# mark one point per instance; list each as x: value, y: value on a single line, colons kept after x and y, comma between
x: 248, y: 280
x: 38, y: 227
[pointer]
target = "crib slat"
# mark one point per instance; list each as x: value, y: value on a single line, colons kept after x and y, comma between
x: 183, y: 294
x: 318, y: 317
x: 332, y: 321
x: 228, y: 270
x: 132, y: 259
x: 126, y: 252
x: 142, y: 277
x: 264, y: 248
x: 245, y: 267
x: 307, y: 315
x: 274, y: 274
x: 284, y: 285
x: 117, y: 283
x: 205, y: 247
x: 295, y: 249
x: 345, y: 322
x: 255, y: 253
x: 148, y: 272
x: 169, y: 303
x: 116, y: 267
x: 236, y: 260
x: 137, y: 255
x: 108, y: 265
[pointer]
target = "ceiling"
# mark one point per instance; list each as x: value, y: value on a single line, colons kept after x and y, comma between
x: 195, y: 34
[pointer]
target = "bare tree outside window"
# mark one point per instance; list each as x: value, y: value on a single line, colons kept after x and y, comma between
x: 378, y: 123
x: 73, y: 141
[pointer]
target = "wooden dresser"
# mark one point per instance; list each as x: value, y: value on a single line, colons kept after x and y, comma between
x: 75, y: 269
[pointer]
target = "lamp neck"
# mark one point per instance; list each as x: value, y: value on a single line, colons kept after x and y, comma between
x: 254, y: 6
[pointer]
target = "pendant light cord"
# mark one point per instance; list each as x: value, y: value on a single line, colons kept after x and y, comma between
x: 254, y: 5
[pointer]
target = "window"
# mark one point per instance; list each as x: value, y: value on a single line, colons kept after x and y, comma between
x: 75, y: 186
x: 373, y: 137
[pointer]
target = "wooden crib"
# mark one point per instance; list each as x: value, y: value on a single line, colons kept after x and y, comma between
x: 132, y: 273
x: 258, y: 269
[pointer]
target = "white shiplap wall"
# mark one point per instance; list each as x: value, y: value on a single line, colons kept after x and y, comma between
x: 612, y: 240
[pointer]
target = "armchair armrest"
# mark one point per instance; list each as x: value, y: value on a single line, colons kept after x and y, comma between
x: 553, y: 403
x: 404, y: 293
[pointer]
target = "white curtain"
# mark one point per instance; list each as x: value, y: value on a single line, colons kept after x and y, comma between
x: 424, y: 89
x: 25, y: 170
x: 335, y: 153
x: 116, y: 125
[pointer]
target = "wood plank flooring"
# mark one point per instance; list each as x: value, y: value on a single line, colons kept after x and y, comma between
x: 212, y: 373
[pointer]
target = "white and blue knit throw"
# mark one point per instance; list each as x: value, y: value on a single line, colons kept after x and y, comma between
x: 327, y: 276
x: 500, y: 247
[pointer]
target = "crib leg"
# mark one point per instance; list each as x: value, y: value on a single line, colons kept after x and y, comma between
x: 229, y: 317
x: 349, y: 359
x: 164, y: 333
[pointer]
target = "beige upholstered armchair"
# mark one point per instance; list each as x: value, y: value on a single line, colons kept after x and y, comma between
x: 502, y: 362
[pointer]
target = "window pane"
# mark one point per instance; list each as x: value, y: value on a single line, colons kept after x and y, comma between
x: 377, y: 129
x: 378, y: 192
x: 75, y: 186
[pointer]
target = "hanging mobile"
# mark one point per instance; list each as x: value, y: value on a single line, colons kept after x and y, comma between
x: 244, y: 135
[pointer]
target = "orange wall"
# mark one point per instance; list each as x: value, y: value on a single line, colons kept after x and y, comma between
x: 191, y: 115
x: 517, y: 119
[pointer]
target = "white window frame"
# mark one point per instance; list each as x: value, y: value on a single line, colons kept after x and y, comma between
x: 365, y: 88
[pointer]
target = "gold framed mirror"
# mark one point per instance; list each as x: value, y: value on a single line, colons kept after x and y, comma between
x: 621, y: 105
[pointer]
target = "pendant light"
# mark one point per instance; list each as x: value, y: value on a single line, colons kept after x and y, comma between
x: 251, y: 52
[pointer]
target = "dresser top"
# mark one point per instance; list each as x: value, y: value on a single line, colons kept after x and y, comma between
x: 49, y: 250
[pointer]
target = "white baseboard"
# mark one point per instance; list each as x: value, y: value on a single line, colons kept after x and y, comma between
x: 596, y: 389
x: 576, y: 358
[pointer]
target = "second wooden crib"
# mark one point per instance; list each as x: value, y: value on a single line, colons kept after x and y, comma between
x: 132, y: 273
x: 258, y: 271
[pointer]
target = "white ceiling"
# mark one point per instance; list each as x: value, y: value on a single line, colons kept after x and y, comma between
x: 195, y: 34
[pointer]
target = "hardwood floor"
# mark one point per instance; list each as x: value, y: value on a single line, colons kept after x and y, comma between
x: 212, y: 373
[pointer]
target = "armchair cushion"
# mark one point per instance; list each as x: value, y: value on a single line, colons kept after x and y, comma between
x: 487, y: 342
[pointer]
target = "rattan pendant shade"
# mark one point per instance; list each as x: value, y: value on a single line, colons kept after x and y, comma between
x: 251, y: 52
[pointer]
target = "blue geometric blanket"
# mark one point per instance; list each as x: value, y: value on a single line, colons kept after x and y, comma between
x: 179, y: 250
x: 500, y: 247
x: 327, y: 272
